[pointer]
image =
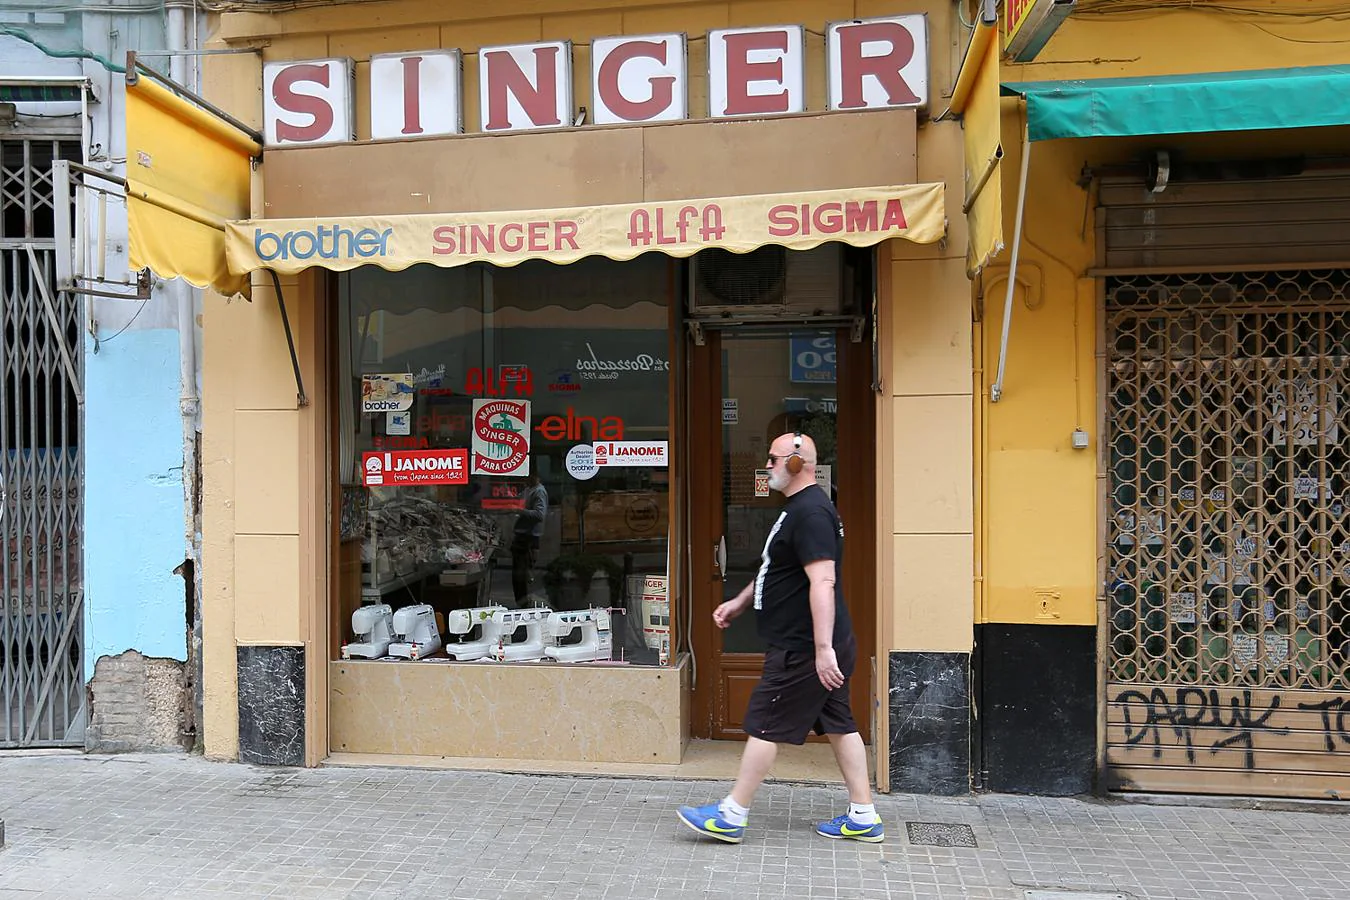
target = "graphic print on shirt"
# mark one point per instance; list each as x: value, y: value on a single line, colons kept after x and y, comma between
x: 764, y: 560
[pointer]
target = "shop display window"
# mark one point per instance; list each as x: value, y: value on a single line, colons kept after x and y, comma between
x: 503, y: 463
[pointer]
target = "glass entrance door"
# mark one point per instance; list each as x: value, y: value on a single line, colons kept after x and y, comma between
x: 755, y: 387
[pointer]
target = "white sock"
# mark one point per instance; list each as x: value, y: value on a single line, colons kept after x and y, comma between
x: 863, y: 813
x: 733, y: 812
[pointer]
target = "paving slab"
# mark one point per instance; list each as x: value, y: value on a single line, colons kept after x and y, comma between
x: 171, y: 826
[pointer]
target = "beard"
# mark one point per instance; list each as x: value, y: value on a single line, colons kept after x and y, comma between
x: 779, y: 479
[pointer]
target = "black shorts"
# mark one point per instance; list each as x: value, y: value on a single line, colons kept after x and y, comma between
x: 790, y: 700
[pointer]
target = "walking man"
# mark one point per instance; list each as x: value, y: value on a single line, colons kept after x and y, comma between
x: 801, y: 617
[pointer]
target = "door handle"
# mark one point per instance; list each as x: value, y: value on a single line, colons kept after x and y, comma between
x: 720, y: 557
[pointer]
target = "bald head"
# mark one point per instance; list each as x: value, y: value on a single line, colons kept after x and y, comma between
x: 780, y: 479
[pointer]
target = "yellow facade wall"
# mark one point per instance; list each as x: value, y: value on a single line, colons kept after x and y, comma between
x: 926, y: 533
x: 1038, y: 499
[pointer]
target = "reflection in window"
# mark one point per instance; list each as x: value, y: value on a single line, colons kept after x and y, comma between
x: 471, y: 403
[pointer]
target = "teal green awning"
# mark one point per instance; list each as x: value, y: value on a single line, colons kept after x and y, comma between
x: 1181, y: 104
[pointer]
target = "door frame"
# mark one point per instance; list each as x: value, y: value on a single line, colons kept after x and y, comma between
x: 858, y: 509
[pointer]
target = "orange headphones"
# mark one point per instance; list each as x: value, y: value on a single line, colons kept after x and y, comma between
x: 794, y: 462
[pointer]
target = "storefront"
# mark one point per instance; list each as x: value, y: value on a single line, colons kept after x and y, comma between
x: 1161, y: 368
x: 542, y: 370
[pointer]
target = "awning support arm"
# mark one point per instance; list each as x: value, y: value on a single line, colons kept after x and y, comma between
x: 300, y: 398
x: 996, y: 391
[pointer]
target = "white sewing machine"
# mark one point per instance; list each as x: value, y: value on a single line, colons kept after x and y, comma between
x: 374, y: 629
x: 462, y: 621
x: 597, y: 641
x: 415, y: 628
x: 507, y: 621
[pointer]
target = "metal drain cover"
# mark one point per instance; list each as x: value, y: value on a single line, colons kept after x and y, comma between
x: 940, y: 834
x: 1075, y: 895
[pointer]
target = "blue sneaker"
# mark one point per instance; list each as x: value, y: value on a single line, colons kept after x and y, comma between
x: 708, y: 821
x: 842, y: 827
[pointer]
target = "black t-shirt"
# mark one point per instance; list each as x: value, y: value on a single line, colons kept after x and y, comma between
x: 808, y: 529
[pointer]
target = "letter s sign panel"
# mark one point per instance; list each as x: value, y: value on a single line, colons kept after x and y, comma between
x: 309, y: 102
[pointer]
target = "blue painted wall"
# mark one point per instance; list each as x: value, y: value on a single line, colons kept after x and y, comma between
x: 133, y: 527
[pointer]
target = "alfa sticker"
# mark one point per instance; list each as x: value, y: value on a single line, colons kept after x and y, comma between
x: 400, y: 467
x: 632, y: 453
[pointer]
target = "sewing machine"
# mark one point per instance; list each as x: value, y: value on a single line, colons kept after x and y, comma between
x: 461, y: 621
x: 596, y: 638
x: 374, y: 629
x: 508, y: 620
x: 415, y: 627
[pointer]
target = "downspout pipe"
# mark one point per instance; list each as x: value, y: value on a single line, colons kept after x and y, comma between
x: 181, y: 40
x: 996, y: 389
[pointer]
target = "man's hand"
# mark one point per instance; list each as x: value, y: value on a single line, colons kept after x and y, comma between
x: 827, y: 669
x: 729, y: 610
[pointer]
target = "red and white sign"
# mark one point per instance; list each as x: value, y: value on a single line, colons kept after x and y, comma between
x: 501, y: 437
x: 756, y: 71
x: 416, y: 467
x: 309, y: 102
x: 416, y: 94
x: 878, y: 63
x: 639, y: 79
x: 632, y: 453
x: 872, y: 64
x: 525, y: 86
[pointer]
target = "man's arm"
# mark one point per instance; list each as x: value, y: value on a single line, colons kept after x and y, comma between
x: 538, y: 507
x: 821, y: 574
x: 732, y: 608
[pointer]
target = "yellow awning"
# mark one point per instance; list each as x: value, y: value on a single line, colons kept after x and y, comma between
x: 978, y: 92
x: 799, y: 221
x: 188, y: 173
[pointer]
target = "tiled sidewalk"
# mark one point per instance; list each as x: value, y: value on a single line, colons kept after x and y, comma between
x: 174, y: 826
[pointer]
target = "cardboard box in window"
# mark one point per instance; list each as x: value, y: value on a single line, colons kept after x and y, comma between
x: 616, y: 516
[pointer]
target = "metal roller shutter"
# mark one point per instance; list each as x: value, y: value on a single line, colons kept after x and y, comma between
x: 1227, y: 442
x: 1295, y: 222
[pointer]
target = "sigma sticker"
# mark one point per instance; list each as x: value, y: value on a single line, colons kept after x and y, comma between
x: 501, y: 437
x: 416, y: 467
x: 632, y: 453
x: 386, y: 393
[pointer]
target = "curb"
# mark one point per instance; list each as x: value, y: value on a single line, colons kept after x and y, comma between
x: 1262, y: 804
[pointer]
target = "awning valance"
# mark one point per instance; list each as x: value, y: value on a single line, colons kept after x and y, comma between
x: 798, y: 221
x: 1307, y: 97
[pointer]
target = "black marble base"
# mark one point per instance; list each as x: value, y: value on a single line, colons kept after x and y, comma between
x: 272, y: 705
x: 930, y: 722
x: 1038, y: 702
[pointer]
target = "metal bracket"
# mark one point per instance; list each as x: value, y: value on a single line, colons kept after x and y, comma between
x: 300, y: 398
x: 142, y: 285
x: 696, y: 332
x: 856, y: 329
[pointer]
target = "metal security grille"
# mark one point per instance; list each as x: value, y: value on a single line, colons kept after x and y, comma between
x: 41, y: 467
x: 1227, y: 538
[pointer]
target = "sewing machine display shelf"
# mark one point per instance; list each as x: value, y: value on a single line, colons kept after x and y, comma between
x: 417, y: 575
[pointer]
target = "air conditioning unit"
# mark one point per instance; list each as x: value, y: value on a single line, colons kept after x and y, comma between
x: 768, y: 282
